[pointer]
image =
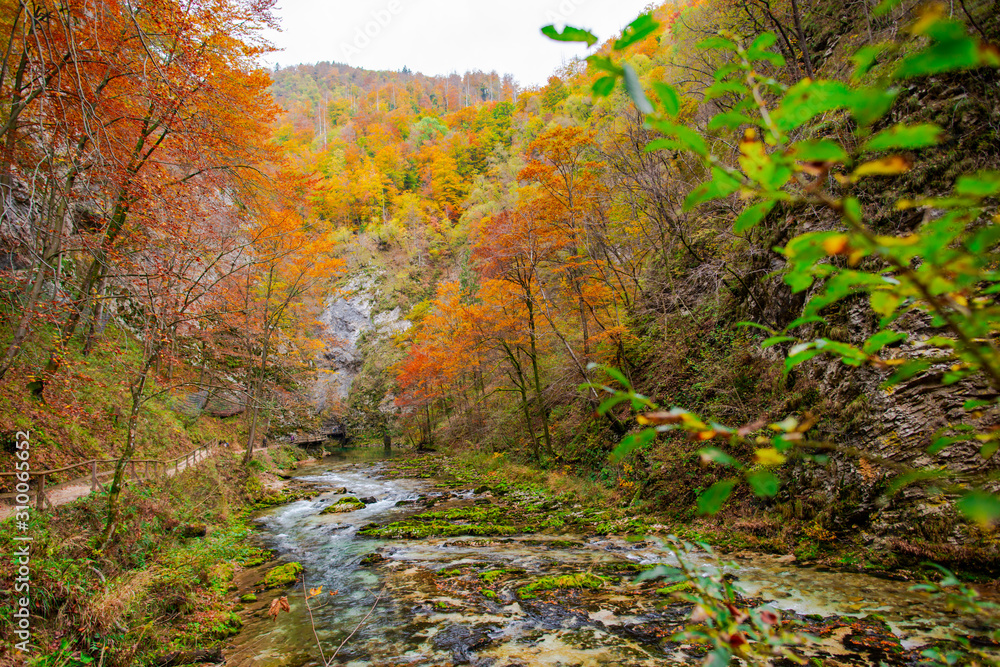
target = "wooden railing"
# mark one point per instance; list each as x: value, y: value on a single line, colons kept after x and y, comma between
x: 140, y: 469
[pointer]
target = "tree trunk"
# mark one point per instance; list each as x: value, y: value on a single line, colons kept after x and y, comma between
x: 27, y: 316
x: 803, y: 46
x: 137, y: 389
x: 542, y: 410
x: 255, y: 398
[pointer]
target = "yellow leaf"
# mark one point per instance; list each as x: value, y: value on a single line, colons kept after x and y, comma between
x: 769, y: 457
x: 930, y: 14
x: 836, y: 245
x: 890, y: 166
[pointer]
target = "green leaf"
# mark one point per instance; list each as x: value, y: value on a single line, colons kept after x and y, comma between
x: 777, y: 340
x: 661, y: 572
x: 753, y: 215
x: 980, y: 506
x: 754, y: 325
x: 763, y: 41
x: 603, y: 86
x: 795, y: 359
x: 636, y: 31
x: 570, y: 34
x: 989, y: 449
x: 951, y: 55
x: 729, y: 120
x: 885, y: 7
x: 981, y: 184
x: 610, y: 402
x: 819, y: 150
x: 807, y: 99
x: 911, y: 477
x: 684, y: 138
x: 881, y: 339
x: 720, y: 88
x: 809, y: 319
x: 710, y: 501
x: 885, y: 302
x: 604, y: 64
x: 943, y: 442
x: 908, y: 370
x: 764, y: 483
x: 634, y: 89
x: 720, y: 657
x: 759, y: 50
x: 865, y: 58
x: 867, y: 105
x: 617, y: 375
x: 717, y: 42
x: 905, y: 136
x: 722, y: 185
x: 975, y: 404
x: 718, y: 456
x: 632, y: 442
x: 668, y: 97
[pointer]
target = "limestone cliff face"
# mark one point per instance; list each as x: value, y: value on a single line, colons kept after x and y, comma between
x: 883, y: 432
x: 349, y: 315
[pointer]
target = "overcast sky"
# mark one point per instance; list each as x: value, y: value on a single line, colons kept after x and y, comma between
x: 443, y: 36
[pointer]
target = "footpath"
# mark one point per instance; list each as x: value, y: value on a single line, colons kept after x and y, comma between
x: 98, y: 472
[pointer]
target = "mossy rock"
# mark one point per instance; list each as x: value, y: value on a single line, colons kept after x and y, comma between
x: 283, y: 575
x: 675, y: 588
x: 411, y: 529
x: 347, y: 504
x: 225, y: 627
x: 249, y: 597
x: 372, y: 558
x: 492, y: 575
x: 487, y: 593
x: 579, y: 580
x: 259, y: 559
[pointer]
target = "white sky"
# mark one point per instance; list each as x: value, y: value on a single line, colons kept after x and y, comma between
x: 443, y: 36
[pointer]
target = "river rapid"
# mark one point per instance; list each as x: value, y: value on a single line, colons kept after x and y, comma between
x: 454, y: 600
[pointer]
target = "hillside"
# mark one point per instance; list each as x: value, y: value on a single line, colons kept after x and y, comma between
x: 730, y: 277
x: 458, y: 213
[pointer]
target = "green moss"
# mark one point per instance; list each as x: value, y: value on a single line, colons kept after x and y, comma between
x: 283, y: 575
x: 578, y: 580
x: 492, y: 575
x: 249, y: 597
x: 411, y: 529
x: 487, y: 593
x: 345, y: 504
x: 257, y: 559
x: 674, y: 588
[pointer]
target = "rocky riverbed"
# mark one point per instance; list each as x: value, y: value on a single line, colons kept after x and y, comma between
x: 416, y: 574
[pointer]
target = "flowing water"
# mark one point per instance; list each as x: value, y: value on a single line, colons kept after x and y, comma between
x: 423, y: 618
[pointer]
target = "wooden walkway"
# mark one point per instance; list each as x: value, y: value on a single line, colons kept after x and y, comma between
x: 41, y: 495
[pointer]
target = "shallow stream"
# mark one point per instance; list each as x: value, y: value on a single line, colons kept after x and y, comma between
x: 427, y: 603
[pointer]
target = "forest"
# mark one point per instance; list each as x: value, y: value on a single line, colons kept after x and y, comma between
x: 688, y: 356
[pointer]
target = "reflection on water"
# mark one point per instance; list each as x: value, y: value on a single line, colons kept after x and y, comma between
x: 407, y: 628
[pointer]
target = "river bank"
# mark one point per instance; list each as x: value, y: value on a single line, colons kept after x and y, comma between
x: 463, y: 573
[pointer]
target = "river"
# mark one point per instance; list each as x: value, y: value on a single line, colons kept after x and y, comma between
x: 454, y: 600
